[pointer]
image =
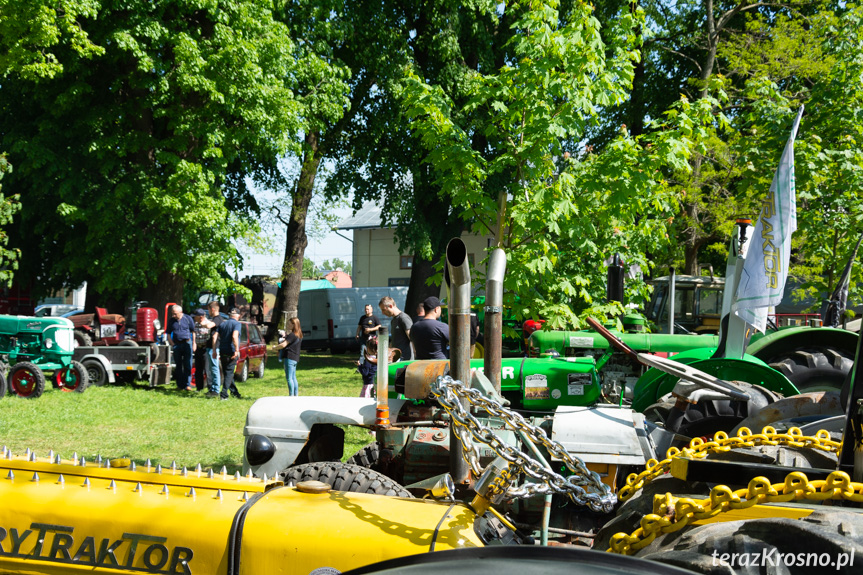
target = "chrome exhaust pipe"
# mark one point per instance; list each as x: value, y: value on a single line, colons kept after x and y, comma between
x: 458, y: 279
x: 492, y: 357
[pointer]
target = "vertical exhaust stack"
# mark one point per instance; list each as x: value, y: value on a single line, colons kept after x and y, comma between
x: 494, y: 317
x: 382, y: 415
x: 459, y: 340
x: 614, y: 287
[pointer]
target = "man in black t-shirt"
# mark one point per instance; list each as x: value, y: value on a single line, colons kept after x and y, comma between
x: 368, y: 324
x: 429, y: 336
x: 400, y: 326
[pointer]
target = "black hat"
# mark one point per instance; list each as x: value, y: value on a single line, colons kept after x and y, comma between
x: 430, y: 303
x: 201, y: 312
x: 234, y: 311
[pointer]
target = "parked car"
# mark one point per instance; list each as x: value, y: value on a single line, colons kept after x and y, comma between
x: 55, y: 309
x: 253, y: 352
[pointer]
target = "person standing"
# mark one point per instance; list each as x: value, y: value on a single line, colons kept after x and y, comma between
x: 227, y: 342
x: 400, y: 326
x: 203, y: 326
x: 368, y: 324
x: 429, y: 336
x: 289, y: 353
x: 214, y: 368
x: 369, y: 368
x: 180, y: 332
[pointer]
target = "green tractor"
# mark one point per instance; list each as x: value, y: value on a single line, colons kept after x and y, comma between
x: 30, y: 346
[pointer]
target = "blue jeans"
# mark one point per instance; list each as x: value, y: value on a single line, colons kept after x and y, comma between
x: 291, y: 376
x: 213, y: 369
x: 183, y: 358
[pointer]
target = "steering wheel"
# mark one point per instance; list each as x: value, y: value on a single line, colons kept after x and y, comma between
x: 675, y: 368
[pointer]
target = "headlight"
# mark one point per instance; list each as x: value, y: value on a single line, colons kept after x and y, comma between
x: 49, y: 343
x: 259, y: 450
x: 157, y: 325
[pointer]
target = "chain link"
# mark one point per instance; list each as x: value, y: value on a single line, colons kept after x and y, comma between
x: 671, y: 514
x: 699, y: 449
x: 584, y: 487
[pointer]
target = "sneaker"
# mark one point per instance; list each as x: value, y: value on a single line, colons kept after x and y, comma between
x: 212, y: 394
x: 237, y: 395
x: 224, y: 398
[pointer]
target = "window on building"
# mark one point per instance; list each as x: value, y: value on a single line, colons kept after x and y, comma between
x: 406, y: 262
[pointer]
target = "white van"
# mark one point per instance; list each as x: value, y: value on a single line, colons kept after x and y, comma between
x: 330, y: 316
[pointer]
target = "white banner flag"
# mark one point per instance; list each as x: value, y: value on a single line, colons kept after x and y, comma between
x: 762, y: 281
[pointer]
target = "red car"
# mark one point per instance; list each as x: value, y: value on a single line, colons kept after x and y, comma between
x: 253, y: 352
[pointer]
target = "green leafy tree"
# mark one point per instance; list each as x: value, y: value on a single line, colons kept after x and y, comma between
x: 824, y: 55
x: 309, y: 269
x: 557, y: 211
x: 133, y: 138
x: 8, y: 207
x: 338, y: 264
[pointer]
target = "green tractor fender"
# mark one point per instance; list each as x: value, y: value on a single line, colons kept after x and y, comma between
x: 655, y: 383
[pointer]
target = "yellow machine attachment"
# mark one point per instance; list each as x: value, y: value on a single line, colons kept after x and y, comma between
x: 64, y: 517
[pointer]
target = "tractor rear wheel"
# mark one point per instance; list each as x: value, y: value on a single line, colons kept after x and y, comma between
x: 96, y: 373
x: 825, y: 540
x: 814, y: 368
x: 82, y: 339
x: 129, y: 343
x: 4, y: 388
x: 26, y: 380
x: 345, y: 477
x: 73, y: 378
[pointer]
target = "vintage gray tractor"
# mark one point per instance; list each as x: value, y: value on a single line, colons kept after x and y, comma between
x: 30, y: 346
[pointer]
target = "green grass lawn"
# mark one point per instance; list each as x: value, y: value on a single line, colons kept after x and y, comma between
x: 162, y: 424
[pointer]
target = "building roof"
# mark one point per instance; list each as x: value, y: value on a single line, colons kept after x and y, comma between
x: 367, y: 218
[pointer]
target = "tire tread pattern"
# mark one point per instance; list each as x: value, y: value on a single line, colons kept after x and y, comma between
x: 345, y: 477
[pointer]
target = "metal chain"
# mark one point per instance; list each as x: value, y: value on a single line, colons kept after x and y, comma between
x: 584, y: 487
x: 671, y: 514
x: 698, y: 448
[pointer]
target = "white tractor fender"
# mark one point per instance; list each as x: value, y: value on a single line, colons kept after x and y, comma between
x: 287, y: 421
x: 105, y: 363
x: 601, y: 434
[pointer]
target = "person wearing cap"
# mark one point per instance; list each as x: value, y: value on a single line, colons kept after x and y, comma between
x: 203, y: 326
x: 227, y: 342
x: 429, y: 336
x: 181, y: 336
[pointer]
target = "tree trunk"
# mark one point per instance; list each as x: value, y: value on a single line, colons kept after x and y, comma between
x: 296, y: 241
x: 167, y: 288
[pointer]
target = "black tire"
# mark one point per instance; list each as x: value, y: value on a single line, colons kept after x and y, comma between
x: 26, y: 380
x: 129, y: 343
x: 4, y: 387
x: 345, y: 477
x: 814, y: 369
x: 82, y: 339
x: 640, y: 504
x: 95, y: 372
x: 824, y: 534
x: 259, y: 373
x: 367, y: 456
x: 244, y: 373
x: 80, y: 378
